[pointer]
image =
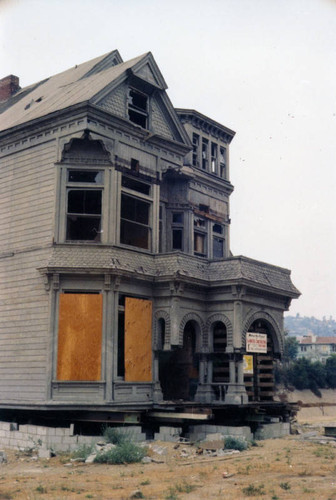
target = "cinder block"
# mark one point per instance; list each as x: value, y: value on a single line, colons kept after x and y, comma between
x: 55, y: 440
x: 88, y: 439
x: 139, y: 437
x: 271, y: 431
x: 61, y: 431
x: 5, y: 426
x: 41, y: 431
x: 69, y: 440
x: 32, y: 429
x: 171, y: 431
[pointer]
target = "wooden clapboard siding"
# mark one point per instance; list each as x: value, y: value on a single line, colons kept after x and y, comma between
x: 24, y: 328
x: 138, y: 340
x: 79, y: 337
x: 27, y: 198
x: 27, y: 208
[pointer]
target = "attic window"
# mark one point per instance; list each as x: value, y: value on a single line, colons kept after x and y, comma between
x: 138, y: 108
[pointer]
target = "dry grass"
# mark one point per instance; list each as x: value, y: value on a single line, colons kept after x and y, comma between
x: 280, y: 469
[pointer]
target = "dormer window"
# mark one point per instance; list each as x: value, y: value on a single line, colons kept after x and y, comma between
x: 138, y: 108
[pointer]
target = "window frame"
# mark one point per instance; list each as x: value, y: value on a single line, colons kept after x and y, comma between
x: 223, y: 164
x: 177, y: 226
x: 200, y: 231
x: 139, y: 111
x: 219, y: 236
x: 137, y: 195
x: 66, y: 186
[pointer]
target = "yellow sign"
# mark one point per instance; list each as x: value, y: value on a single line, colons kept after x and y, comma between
x: 248, y: 364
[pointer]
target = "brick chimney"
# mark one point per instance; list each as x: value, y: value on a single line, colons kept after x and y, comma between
x: 8, y: 86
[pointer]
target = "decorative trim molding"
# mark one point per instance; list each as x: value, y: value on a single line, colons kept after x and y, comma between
x: 192, y: 317
x: 276, y: 330
x: 214, y: 319
x: 161, y: 314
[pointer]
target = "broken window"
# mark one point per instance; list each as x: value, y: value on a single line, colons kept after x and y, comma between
x: 217, y: 248
x: 195, y: 143
x: 199, y: 244
x: 84, y: 205
x: 177, y: 231
x: 138, y: 108
x: 214, y: 157
x: 79, y: 336
x: 222, y: 162
x: 218, y: 241
x: 200, y: 236
x: 134, y: 222
x: 205, y: 153
x: 199, y: 222
x: 135, y: 339
x: 135, y: 185
x: 135, y: 213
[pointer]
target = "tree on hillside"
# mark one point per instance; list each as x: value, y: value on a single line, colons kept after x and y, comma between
x: 291, y: 349
x: 330, y: 367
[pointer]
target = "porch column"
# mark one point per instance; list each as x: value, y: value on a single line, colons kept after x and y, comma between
x: 240, y: 366
x: 232, y: 366
x: 204, y: 392
x: 157, y: 391
x: 236, y: 393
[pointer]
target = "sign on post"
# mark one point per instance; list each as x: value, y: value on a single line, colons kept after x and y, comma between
x: 256, y: 342
x: 248, y: 364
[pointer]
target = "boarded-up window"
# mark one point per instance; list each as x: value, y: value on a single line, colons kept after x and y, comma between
x: 79, y: 336
x: 138, y: 340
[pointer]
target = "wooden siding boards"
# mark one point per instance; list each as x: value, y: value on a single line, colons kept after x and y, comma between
x: 27, y: 200
x: 24, y: 327
x: 29, y: 177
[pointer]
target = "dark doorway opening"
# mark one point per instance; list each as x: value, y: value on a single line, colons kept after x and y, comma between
x: 260, y: 384
x: 178, y: 369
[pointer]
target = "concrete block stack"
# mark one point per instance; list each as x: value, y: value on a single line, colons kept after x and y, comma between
x: 212, y: 432
x: 166, y: 433
x: 272, y: 430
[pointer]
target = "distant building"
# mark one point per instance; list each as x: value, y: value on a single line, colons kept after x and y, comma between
x: 118, y: 290
x: 316, y: 348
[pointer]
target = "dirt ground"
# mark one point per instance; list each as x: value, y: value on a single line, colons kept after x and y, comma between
x: 289, y: 468
x: 296, y: 467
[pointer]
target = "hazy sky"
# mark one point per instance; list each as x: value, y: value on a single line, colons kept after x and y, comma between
x: 265, y: 68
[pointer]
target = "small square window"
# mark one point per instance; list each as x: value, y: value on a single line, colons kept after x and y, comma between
x: 178, y: 218
x: 218, y: 228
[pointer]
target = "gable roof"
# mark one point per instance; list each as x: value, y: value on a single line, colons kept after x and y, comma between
x: 83, y: 83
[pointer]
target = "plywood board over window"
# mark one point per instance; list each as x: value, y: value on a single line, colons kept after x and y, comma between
x: 138, y: 340
x: 79, y: 337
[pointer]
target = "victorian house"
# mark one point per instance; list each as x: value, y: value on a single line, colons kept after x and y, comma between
x: 118, y: 290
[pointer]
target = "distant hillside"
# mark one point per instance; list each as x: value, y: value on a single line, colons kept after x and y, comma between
x: 303, y: 325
